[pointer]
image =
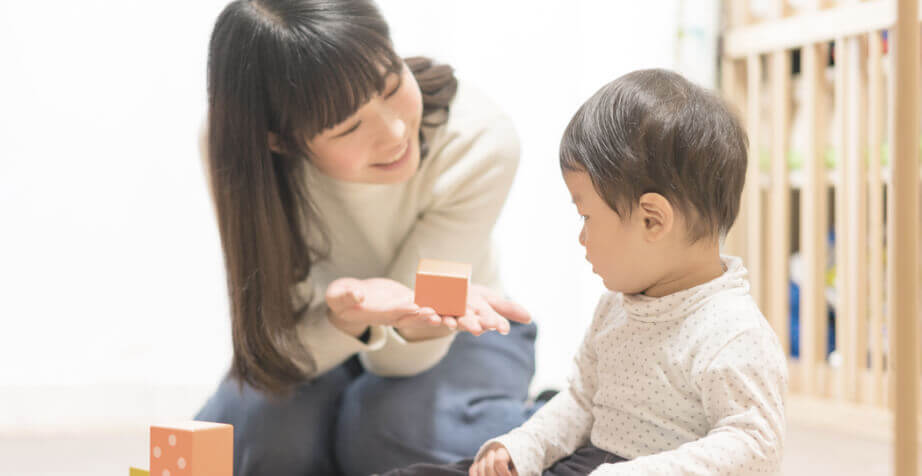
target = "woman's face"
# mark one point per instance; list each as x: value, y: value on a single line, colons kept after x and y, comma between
x: 379, y: 143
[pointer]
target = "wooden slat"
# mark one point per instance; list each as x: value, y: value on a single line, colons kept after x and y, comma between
x: 809, y: 28
x: 855, y: 168
x: 737, y: 13
x: 733, y: 84
x: 903, y: 239
x: 876, y: 104
x: 752, y: 190
x: 843, y: 316
x: 780, y: 199
x: 813, y: 221
x: 889, y: 374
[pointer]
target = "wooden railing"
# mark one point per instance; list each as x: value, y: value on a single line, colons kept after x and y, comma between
x: 857, y: 92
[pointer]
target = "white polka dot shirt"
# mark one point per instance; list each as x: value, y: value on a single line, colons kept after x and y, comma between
x: 689, y: 383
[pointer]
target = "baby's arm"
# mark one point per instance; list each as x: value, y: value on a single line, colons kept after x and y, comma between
x: 554, y: 432
x: 742, y: 390
x: 563, y: 425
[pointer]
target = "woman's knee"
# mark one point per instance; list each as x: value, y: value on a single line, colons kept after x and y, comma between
x: 478, y: 391
x: 385, y: 424
x: 283, y: 435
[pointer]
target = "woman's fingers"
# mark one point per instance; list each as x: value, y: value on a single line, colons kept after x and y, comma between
x: 470, y: 323
x: 424, y: 317
x: 509, y: 309
x: 449, y: 322
x: 492, y: 320
x: 489, y: 319
x: 344, y: 294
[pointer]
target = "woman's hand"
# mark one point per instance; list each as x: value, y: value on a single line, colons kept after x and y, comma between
x: 486, y: 311
x: 495, y: 461
x: 356, y: 304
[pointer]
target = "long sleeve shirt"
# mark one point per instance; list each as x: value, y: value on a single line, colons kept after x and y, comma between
x: 689, y: 383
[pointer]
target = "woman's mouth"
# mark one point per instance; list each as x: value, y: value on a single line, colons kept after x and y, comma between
x: 399, y: 159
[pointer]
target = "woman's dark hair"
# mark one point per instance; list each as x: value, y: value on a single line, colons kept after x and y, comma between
x: 293, y: 68
x: 654, y: 131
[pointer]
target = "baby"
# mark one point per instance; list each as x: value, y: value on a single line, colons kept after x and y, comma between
x: 679, y: 373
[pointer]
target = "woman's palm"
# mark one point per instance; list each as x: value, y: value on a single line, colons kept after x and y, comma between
x: 375, y: 301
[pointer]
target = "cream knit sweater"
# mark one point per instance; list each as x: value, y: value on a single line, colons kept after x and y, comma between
x: 446, y: 211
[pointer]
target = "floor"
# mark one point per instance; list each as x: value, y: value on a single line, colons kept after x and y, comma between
x: 809, y: 452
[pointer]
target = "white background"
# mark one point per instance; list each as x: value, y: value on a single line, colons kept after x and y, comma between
x: 112, y: 298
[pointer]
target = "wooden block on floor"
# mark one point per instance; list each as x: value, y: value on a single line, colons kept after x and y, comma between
x: 192, y: 448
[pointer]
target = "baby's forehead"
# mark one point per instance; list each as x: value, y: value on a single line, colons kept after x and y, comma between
x: 578, y: 182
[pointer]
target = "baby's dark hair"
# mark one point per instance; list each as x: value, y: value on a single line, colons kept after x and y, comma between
x: 654, y: 131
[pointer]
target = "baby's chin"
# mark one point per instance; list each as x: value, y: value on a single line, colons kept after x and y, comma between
x: 610, y: 285
x: 621, y: 287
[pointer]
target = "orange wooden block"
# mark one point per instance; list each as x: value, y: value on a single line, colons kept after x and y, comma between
x: 192, y: 448
x: 443, y: 285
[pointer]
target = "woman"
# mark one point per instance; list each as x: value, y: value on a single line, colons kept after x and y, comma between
x: 334, y: 167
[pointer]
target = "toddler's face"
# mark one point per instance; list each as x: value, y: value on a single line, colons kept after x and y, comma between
x: 616, y: 248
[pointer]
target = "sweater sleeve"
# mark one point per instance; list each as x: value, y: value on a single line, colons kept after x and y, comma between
x: 742, y: 390
x: 326, y: 345
x: 564, y: 424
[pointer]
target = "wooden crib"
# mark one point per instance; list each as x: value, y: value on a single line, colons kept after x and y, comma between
x: 831, y: 68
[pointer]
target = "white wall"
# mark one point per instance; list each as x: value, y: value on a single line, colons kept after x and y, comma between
x: 112, y: 301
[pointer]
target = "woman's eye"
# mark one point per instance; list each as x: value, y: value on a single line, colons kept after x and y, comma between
x: 394, y: 91
x: 348, y: 131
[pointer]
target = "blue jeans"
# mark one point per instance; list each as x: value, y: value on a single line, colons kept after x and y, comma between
x: 356, y: 423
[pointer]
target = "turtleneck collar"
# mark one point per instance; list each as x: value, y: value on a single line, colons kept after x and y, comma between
x: 682, y: 303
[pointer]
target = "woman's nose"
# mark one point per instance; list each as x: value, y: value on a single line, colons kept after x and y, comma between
x: 582, y: 236
x: 393, y: 123
x: 398, y: 128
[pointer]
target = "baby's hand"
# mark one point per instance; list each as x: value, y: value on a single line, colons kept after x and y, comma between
x: 495, y: 461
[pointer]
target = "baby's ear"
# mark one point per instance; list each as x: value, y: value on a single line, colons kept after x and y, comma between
x: 657, y: 215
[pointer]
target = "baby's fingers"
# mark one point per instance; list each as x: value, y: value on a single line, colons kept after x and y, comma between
x: 481, y: 467
x: 501, y: 466
x: 490, y: 463
x: 474, y: 469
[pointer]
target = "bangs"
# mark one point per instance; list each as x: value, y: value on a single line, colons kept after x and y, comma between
x: 327, y: 81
